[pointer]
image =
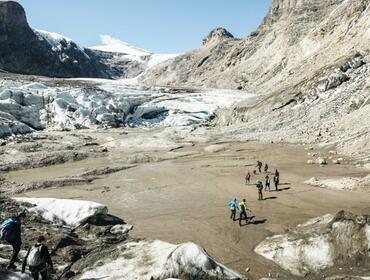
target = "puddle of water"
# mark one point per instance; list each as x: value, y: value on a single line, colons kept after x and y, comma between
x: 55, y: 171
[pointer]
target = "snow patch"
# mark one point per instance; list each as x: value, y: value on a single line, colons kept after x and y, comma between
x: 111, y: 44
x: 68, y: 211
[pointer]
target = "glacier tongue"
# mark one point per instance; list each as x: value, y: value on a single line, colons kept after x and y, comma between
x: 73, y: 104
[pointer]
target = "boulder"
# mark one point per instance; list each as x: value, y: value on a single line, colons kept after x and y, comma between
x: 321, y: 243
x: 321, y: 161
x: 121, y: 229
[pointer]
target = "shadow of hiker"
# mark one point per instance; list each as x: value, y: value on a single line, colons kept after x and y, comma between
x: 257, y: 222
x: 283, y: 189
x: 270, y: 197
x: 251, y: 221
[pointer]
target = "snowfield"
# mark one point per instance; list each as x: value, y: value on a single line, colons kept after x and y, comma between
x: 159, y: 260
x: 26, y: 106
x: 115, y: 45
x: 66, y: 211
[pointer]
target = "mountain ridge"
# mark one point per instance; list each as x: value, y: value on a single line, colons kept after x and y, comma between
x: 28, y: 51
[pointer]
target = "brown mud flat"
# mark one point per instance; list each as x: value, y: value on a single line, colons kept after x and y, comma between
x: 184, y: 197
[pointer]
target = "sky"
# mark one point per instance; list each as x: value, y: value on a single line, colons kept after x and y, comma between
x: 160, y: 26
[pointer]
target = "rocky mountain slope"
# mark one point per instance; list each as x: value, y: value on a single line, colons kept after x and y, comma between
x: 296, y: 39
x: 27, y: 51
x: 23, y: 50
x: 308, y: 65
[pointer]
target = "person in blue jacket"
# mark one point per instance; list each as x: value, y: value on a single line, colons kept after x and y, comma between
x: 11, y: 233
x: 233, y: 206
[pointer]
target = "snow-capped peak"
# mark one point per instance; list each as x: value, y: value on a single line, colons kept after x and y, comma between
x: 55, y: 40
x: 111, y: 44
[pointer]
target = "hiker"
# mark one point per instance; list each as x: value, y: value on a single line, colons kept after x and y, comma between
x: 247, y: 178
x: 11, y: 233
x: 260, y: 188
x: 267, y: 183
x: 276, y: 182
x: 233, y: 206
x: 259, y: 165
x: 266, y: 167
x: 277, y: 173
x: 242, y: 212
x: 38, y: 259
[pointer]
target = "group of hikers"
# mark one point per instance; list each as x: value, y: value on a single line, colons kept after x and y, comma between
x: 259, y: 185
x: 37, y: 258
x: 242, y: 206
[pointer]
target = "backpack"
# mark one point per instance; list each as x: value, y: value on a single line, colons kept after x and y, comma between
x: 34, y: 257
x: 8, y: 230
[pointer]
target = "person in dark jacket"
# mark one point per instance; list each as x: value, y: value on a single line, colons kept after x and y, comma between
x: 259, y: 165
x: 247, y: 178
x: 260, y: 188
x: 38, y: 259
x: 15, y: 240
x: 276, y: 182
x: 267, y: 183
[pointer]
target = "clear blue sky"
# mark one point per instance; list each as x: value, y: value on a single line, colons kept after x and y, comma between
x: 162, y: 26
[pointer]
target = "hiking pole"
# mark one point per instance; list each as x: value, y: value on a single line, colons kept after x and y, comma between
x: 251, y: 211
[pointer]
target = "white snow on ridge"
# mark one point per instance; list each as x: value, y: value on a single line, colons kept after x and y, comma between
x: 68, y: 211
x: 111, y: 44
x: 160, y: 260
x: 54, y: 39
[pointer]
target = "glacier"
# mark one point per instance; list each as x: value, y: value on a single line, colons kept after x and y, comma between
x: 28, y: 105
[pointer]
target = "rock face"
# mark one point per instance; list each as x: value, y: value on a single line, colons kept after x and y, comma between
x: 296, y: 39
x: 27, y: 51
x: 217, y: 35
x: 307, y: 64
x: 340, y: 241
